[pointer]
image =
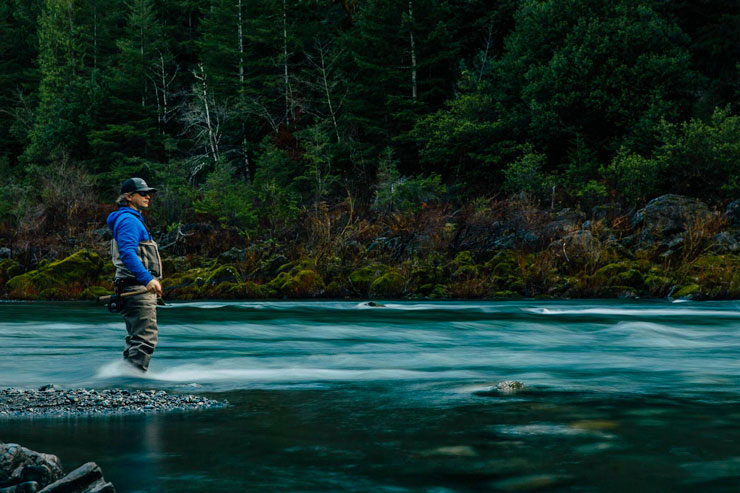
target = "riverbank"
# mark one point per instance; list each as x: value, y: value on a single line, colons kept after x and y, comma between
x: 674, y: 247
x: 49, y: 401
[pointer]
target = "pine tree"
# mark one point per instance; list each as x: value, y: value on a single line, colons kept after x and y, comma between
x: 69, y: 89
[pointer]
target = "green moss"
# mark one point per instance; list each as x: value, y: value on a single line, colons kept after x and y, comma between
x: 9, y: 269
x: 94, y: 292
x: 439, y: 292
x: 390, y: 284
x: 361, y: 279
x: 252, y: 290
x: 658, y: 285
x: 223, y: 290
x: 631, y: 278
x: 278, y: 283
x: 686, y: 291
x: 505, y: 294
x: 60, y: 279
x: 304, y: 284
x: 336, y: 290
x: 224, y: 273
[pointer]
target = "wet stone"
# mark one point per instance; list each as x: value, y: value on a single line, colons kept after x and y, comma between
x: 55, y: 402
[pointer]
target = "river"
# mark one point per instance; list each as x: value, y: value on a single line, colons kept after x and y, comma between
x: 344, y: 396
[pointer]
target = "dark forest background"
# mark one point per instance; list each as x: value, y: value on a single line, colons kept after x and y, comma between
x: 261, y: 116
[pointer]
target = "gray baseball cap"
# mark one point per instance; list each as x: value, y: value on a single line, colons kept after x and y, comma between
x: 136, y: 185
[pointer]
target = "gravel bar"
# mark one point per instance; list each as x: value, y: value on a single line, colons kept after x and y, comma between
x: 49, y: 401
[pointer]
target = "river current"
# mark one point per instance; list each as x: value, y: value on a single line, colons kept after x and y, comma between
x: 345, y: 396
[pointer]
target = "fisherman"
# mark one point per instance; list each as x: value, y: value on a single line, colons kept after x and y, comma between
x: 138, y: 266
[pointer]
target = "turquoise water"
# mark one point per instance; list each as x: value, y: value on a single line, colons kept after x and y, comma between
x: 342, y: 396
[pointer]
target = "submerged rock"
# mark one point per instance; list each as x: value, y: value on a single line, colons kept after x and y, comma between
x: 506, y: 387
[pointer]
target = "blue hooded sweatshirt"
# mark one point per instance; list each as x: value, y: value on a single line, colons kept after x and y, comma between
x: 127, y: 225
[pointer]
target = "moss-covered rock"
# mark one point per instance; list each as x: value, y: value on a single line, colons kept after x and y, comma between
x: 658, y: 285
x: 306, y: 283
x: 688, y: 291
x: 463, y: 266
x: 9, y: 269
x: 625, y: 274
x: 172, y: 265
x: 62, y: 279
x: 224, y: 273
x: 361, y: 279
x: 252, y: 290
x: 95, y: 292
x: 388, y: 285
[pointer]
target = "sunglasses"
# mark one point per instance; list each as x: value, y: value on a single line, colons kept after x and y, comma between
x: 144, y: 194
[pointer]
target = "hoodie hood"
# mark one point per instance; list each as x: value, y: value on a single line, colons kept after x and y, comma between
x: 115, y: 215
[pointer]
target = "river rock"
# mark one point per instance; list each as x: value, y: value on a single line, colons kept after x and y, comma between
x: 507, y: 387
x: 58, y: 402
x: 20, y: 465
x: 87, y: 478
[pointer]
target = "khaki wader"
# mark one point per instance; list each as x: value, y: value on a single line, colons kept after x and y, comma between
x: 140, y: 314
x: 139, y: 311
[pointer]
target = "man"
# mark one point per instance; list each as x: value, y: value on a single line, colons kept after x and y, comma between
x: 137, y: 262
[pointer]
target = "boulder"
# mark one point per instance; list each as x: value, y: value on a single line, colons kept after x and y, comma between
x: 724, y: 242
x: 25, y: 471
x: 232, y: 256
x: 87, y: 478
x: 20, y: 465
x: 732, y: 213
x: 666, y: 216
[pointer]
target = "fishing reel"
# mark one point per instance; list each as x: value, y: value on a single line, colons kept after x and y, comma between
x: 115, y: 304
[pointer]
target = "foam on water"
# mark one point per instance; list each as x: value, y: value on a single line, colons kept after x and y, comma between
x: 634, y: 312
x: 200, y: 374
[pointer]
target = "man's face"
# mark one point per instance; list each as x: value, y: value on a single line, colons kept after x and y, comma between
x: 139, y: 200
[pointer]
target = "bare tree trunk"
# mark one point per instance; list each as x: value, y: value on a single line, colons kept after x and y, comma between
x: 95, y: 35
x: 489, y: 42
x: 240, y: 32
x: 161, y: 82
x: 141, y: 64
x: 325, y: 80
x: 210, y: 124
x: 286, y: 78
x: 413, y: 49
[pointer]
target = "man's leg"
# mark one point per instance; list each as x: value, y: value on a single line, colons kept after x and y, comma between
x: 140, y: 314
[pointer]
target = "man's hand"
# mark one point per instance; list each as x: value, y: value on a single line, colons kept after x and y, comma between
x: 155, y: 287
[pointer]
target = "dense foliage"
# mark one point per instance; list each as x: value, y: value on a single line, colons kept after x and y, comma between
x: 255, y: 114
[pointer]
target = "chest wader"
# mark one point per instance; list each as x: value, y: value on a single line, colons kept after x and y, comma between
x: 139, y: 311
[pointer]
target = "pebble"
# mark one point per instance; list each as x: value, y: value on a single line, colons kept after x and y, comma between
x: 51, y: 401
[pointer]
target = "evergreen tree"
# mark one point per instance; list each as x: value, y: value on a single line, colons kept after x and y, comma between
x: 18, y: 74
x: 69, y: 91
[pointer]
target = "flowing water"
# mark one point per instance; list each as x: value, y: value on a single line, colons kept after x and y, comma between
x: 343, y: 396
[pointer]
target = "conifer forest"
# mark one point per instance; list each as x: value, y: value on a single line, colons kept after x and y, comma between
x: 445, y: 148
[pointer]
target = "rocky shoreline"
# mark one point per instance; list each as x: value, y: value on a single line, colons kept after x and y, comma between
x: 24, y: 471
x: 49, y: 401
